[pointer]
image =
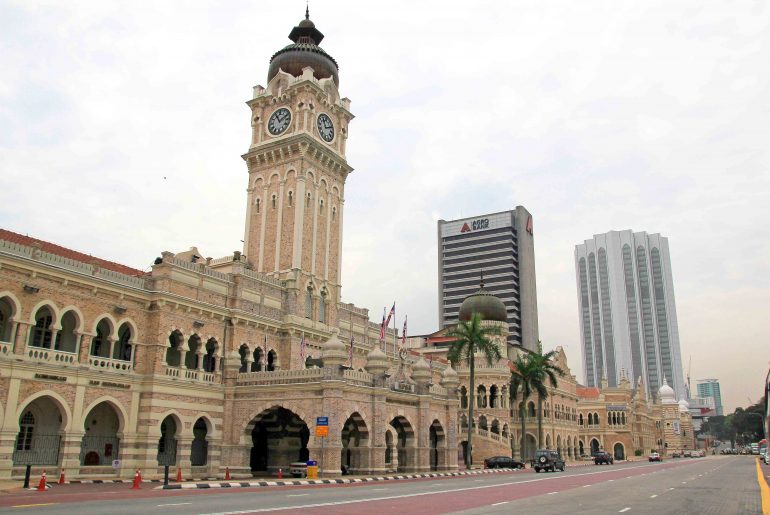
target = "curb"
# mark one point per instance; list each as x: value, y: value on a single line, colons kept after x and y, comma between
x: 252, y: 484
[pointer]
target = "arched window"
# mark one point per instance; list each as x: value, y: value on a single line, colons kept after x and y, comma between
x: 273, y: 200
x: 321, y: 207
x: 26, y: 430
x: 322, y: 307
x: 580, y: 419
x: 256, y: 205
x: 244, y: 352
x: 334, y: 212
x: 123, y: 348
x: 291, y: 198
x: 531, y: 409
x: 307, y: 201
x: 272, y: 358
x: 210, y: 359
x: 256, y: 365
x: 42, y: 334
x: 463, y: 397
x: 100, y: 345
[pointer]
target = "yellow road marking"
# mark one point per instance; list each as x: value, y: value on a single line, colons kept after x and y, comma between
x: 33, y: 505
x: 764, y: 489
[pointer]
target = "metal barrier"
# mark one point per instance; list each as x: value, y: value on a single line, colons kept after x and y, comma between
x: 99, y: 450
x: 37, y: 450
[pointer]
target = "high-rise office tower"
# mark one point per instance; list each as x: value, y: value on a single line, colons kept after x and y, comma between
x: 709, y: 388
x: 627, y: 310
x: 502, y: 246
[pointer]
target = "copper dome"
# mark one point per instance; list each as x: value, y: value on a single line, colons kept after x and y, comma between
x: 485, y: 304
x: 303, y: 53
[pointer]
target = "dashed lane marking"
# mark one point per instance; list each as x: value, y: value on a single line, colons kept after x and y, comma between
x: 33, y: 505
x: 297, y: 495
x: 499, y: 503
x: 174, y: 504
x: 671, y: 488
x: 624, y: 510
x: 552, y: 493
x: 653, y: 496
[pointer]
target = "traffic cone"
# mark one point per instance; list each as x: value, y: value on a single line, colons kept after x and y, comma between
x: 137, y: 480
x: 41, y: 484
x: 178, y: 474
x: 61, y: 477
x: 227, y: 473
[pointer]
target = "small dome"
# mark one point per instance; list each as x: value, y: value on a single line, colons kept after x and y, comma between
x: 485, y: 304
x: 449, y: 377
x: 421, y: 371
x: 376, y: 361
x: 333, y: 352
x: 666, y: 393
x: 684, y: 406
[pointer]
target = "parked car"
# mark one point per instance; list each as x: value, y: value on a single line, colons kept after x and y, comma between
x: 687, y: 454
x: 548, y: 460
x: 675, y: 454
x: 654, y: 456
x: 603, y: 458
x: 502, y: 462
x: 298, y: 469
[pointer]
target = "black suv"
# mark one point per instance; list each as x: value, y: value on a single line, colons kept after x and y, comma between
x: 500, y: 462
x: 548, y: 460
x: 603, y: 458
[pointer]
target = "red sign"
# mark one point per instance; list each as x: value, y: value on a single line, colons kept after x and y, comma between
x: 465, y: 228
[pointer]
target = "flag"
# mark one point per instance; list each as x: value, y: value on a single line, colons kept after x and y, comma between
x: 385, y: 324
x: 382, y: 326
x: 350, y: 351
x: 403, y: 334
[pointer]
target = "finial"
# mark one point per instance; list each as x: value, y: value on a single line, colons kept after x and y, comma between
x: 481, y: 285
x: 307, y: 10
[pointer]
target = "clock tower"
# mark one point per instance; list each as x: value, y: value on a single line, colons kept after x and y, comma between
x: 297, y: 170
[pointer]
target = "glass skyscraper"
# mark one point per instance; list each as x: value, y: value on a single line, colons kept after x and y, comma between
x: 627, y: 310
x: 710, y: 388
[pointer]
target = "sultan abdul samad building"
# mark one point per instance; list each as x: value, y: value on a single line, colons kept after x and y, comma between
x: 200, y: 363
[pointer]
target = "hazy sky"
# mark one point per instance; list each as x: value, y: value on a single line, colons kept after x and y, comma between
x: 122, y: 125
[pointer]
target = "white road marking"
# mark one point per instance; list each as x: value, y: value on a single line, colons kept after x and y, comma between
x: 624, y: 510
x: 671, y: 488
x: 653, y: 496
x: 378, y: 489
x: 586, y: 486
x: 684, y: 482
x: 296, y: 495
x: 499, y: 503
x: 174, y: 504
x: 406, y: 496
x: 552, y: 493
x: 477, y: 480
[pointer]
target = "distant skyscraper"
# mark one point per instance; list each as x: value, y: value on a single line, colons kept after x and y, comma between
x: 710, y: 388
x: 627, y: 310
x: 502, y: 245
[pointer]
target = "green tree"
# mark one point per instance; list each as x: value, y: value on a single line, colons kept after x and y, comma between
x: 532, y: 373
x: 520, y: 382
x: 469, y: 338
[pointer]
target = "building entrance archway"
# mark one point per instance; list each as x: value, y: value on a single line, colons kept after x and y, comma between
x: 404, y: 443
x: 279, y: 437
x: 100, y: 444
x: 39, y: 437
x: 437, y: 446
x: 619, y: 451
x: 355, y: 445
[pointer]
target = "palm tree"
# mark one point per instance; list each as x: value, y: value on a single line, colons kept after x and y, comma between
x: 531, y: 373
x: 543, y: 370
x: 520, y: 381
x: 471, y: 337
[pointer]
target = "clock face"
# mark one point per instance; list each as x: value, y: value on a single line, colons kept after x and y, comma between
x: 325, y: 127
x: 279, y: 121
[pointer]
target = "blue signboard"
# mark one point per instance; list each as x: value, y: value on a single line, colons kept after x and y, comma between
x: 322, y: 421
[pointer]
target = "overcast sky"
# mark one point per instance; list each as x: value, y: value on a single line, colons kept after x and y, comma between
x: 122, y: 126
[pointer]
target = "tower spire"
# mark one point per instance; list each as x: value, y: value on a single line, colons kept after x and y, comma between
x: 307, y: 10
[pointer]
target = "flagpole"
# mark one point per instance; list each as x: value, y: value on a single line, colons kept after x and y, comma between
x: 395, y: 331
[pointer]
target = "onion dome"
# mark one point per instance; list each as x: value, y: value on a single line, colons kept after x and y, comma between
x: 421, y: 371
x: 666, y: 393
x: 484, y: 303
x: 376, y: 361
x: 684, y: 406
x: 334, y: 352
x: 304, y: 52
x: 449, y: 379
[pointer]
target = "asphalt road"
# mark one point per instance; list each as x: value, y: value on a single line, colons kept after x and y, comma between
x: 721, y: 484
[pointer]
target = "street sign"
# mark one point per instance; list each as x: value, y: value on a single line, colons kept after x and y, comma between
x: 322, y: 421
x: 322, y: 431
x: 116, y: 464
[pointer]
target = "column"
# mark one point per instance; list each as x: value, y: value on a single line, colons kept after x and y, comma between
x: 112, y: 347
x: 84, y: 349
x: 69, y: 453
x: 21, y: 338
x: 183, y: 451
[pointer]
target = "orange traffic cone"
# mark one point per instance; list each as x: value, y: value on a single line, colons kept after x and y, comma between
x: 41, y: 484
x: 61, y: 477
x: 137, y: 480
x: 178, y: 475
x: 227, y: 473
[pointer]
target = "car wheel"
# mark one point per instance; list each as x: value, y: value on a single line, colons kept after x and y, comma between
x: 537, y: 469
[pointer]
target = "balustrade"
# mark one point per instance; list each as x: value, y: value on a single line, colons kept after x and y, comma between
x: 116, y: 365
x: 6, y: 349
x: 51, y: 356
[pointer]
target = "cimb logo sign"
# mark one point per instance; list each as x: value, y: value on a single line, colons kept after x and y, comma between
x: 476, y: 225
